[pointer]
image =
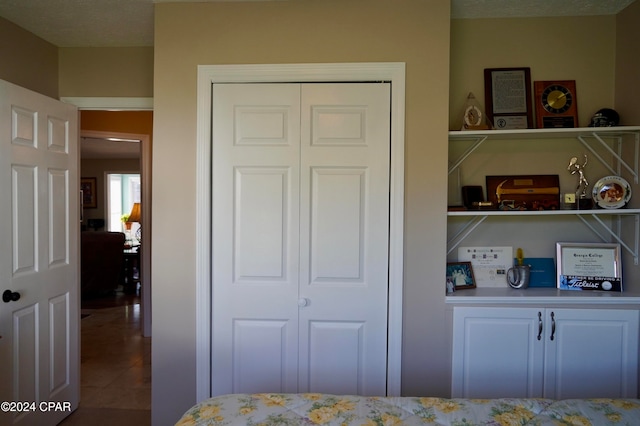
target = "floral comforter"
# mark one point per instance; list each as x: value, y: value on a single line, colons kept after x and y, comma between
x: 324, y: 409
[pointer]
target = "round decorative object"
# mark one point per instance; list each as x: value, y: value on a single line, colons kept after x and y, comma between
x: 605, y: 117
x: 611, y: 192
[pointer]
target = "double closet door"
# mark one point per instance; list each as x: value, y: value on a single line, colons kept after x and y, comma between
x: 300, y: 237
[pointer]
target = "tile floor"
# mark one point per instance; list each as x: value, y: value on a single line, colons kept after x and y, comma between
x: 115, y: 370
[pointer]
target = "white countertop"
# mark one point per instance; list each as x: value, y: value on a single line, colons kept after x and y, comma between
x: 500, y: 295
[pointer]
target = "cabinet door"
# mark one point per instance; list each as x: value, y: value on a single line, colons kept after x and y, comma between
x: 496, y: 352
x: 591, y: 353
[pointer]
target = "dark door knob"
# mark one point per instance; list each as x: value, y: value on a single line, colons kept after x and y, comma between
x: 10, y: 296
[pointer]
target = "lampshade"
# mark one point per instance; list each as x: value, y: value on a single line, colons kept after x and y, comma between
x: 134, y: 216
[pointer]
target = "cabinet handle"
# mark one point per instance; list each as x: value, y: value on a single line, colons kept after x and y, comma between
x: 553, y: 325
x: 539, y: 325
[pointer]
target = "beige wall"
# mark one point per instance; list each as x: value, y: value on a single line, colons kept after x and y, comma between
x: 627, y: 89
x: 584, y: 51
x: 106, y: 71
x: 27, y: 60
x: 413, y: 31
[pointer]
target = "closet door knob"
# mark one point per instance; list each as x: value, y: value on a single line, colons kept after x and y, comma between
x: 303, y: 301
x: 10, y: 296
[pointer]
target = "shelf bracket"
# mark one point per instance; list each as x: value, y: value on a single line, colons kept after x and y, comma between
x: 632, y: 170
x: 477, y: 142
x: 633, y: 251
x: 467, y: 229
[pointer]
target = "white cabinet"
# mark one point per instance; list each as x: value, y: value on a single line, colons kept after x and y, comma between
x: 544, y: 352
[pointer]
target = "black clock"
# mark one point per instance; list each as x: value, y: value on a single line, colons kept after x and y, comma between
x: 556, y: 104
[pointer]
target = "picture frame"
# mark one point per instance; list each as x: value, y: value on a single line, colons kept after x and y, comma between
x: 89, y: 193
x: 461, y: 275
x: 508, y: 100
x: 588, y: 266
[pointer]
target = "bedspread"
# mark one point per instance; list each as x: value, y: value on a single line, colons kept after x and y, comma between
x: 324, y: 409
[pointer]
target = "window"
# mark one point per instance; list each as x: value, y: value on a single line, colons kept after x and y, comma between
x: 122, y: 191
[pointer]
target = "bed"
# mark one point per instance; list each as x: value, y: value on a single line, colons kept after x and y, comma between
x: 324, y: 409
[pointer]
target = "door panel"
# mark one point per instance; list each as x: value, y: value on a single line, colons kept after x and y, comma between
x: 346, y: 363
x: 300, y: 237
x: 256, y: 152
x: 610, y: 340
x: 337, y: 240
x: 39, y: 235
x: 58, y: 184
x: 25, y: 346
x: 344, y: 234
x: 268, y: 339
x: 59, y: 356
x: 24, y: 183
x: 261, y: 202
x: 497, y: 353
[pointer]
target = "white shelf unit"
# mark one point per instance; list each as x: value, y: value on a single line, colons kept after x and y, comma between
x: 587, y: 137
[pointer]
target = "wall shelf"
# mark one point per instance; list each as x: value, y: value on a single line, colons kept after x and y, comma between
x: 588, y: 136
x: 609, y: 139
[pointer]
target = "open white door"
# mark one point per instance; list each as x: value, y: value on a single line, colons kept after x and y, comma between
x: 39, y: 311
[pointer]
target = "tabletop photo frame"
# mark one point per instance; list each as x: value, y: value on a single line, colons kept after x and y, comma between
x: 461, y: 275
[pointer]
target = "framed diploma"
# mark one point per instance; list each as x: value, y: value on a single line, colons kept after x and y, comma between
x: 589, y: 266
x: 507, y: 93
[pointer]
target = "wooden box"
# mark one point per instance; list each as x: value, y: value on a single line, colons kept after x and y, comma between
x: 524, y: 192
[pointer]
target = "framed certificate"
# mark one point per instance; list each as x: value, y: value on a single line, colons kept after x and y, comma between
x: 589, y: 266
x: 507, y: 93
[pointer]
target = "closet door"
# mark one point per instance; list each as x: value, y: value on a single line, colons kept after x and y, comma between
x: 344, y: 230
x: 256, y: 156
x: 300, y: 238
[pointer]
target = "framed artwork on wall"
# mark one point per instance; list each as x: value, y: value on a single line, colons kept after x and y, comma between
x: 89, y: 194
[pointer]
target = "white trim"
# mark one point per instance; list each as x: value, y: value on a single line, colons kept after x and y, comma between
x: 112, y: 103
x: 209, y: 74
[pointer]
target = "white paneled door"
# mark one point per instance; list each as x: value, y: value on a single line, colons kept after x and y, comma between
x: 39, y: 224
x: 300, y: 237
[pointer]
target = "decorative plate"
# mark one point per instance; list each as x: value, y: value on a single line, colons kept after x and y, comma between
x: 611, y: 192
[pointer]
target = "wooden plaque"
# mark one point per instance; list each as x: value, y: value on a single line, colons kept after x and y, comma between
x: 556, y: 104
x: 507, y: 93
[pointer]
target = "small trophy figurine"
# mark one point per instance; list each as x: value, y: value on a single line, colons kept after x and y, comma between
x: 584, y: 202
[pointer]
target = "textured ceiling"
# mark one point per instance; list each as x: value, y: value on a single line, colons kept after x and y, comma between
x: 534, y: 8
x: 120, y: 23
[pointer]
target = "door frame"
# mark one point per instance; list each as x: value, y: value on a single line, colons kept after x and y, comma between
x: 393, y: 72
x: 145, y: 181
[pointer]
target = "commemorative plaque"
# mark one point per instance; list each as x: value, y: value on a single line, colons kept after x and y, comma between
x: 507, y: 93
